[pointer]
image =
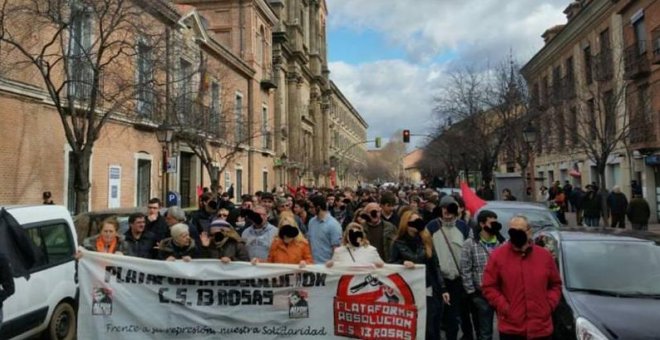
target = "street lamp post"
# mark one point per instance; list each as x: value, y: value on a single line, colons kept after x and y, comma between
x: 164, y: 134
x: 529, y: 135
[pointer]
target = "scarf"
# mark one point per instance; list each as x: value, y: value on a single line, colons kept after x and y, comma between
x: 100, y: 245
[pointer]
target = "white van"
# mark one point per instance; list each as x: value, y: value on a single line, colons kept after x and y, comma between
x: 46, y: 302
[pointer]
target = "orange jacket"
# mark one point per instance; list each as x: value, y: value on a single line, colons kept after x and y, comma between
x: 292, y: 253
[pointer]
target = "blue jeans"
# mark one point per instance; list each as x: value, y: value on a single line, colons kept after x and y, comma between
x: 485, y: 314
x: 592, y: 221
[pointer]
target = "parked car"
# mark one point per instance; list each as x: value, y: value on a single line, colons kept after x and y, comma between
x: 46, y: 301
x: 539, y: 216
x: 89, y: 223
x: 611, y: 283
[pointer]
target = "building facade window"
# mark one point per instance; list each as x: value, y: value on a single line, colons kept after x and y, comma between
x: 238, y: 116
x: 639, y: 28
x: 588, y: 76
x: 215, y: 108
x: 145, y: 76
x: 265, y: 137
x: 80, y: 55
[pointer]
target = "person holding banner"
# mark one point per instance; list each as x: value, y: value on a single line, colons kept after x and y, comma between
x: 223, y: 242
x: 179, y: 246
x: 108, y: 241
x: 355, y: 249
x: 289, y: 246
x: 414, y: 245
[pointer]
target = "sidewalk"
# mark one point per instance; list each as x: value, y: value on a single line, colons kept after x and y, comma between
x: 654, y: 227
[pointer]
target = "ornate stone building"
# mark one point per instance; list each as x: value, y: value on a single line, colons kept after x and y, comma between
x: 348, y: 141
x: 302, y: 98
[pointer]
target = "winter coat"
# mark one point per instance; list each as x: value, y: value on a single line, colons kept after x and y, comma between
x: 168, y: 248
x: 411, y: 249
x: 158, y: 227
x: 231, y: 246
x: 349, y: 255
x: 297, y: 250
x: 90, y: 244
x: 524, y: 289
x: 639, y: 211
x: 617, y: 203
x: 591, y: 205
x: 142, y: 247
x: 389, y: 233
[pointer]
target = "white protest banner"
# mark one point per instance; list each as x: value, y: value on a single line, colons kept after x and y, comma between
x: 125, y: 297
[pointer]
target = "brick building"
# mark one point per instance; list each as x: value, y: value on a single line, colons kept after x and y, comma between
x: 583, y: 86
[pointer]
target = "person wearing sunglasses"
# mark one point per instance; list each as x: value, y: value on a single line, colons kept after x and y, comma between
x: 380, y: 233
x: 355, y: 249
x: 414, y: 245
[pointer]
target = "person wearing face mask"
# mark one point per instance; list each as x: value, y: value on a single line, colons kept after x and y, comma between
x: 223, y: 242
x: 355, y: 249
x: 414, y: 245
x: 380, y: 233
x: 448, y: 239
x: 289, y: 247
x: 259, y: 237
x: 522, y: 283
x: 476, y: 252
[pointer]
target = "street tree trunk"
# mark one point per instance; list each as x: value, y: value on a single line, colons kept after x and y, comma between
x: 81, y: 184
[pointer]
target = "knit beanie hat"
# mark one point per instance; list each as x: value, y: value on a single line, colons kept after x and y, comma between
x: 179, y: 229
x: 215, y: 226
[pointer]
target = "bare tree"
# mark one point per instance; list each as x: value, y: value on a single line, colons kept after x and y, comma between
x: 487, y: 104
x: 387, y: 163
x: 83, y: 53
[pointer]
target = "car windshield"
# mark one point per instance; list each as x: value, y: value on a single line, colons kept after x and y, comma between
x: 625, y: 268
x: 538, y: 219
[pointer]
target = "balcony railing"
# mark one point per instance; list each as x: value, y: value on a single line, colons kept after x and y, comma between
x: 656, y: 45
x: 636, y: 60
x: 603, y: 68
x: 642, y: 127
x: 194, y: 116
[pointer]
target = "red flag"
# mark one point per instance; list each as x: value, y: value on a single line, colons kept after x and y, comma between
x: 472, y: 202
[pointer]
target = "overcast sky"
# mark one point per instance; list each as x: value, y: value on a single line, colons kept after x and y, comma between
x: 389, y: 57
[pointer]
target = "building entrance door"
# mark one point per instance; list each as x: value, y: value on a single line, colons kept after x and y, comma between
x: 185, y: 180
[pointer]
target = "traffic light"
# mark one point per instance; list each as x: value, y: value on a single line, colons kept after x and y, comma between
x: 406, y: 136
x: 377, y: 142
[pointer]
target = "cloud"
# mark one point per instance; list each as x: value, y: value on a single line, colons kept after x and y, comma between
x: 474, y: 29
x: 437, y: 36
x: 390, y: 94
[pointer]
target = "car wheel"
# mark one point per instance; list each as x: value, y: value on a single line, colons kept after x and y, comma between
x: 62, y: 324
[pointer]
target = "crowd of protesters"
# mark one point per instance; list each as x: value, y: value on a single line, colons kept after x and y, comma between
x: 471, y: 272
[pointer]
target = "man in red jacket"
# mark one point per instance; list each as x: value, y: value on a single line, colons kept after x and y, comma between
x: 522, y: 283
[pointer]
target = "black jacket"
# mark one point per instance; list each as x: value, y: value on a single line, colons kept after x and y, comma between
x: 412, y: 249
x: 6, y: 279
x: 229, y: 247
x: 158, y: 228
x: 142, y: 247
x: 618, y: 203
x: 168, y: 248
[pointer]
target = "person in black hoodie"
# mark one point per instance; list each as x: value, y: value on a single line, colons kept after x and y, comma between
x: 155, y: 222
x: 414, y: 245
x: 6, y: 281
